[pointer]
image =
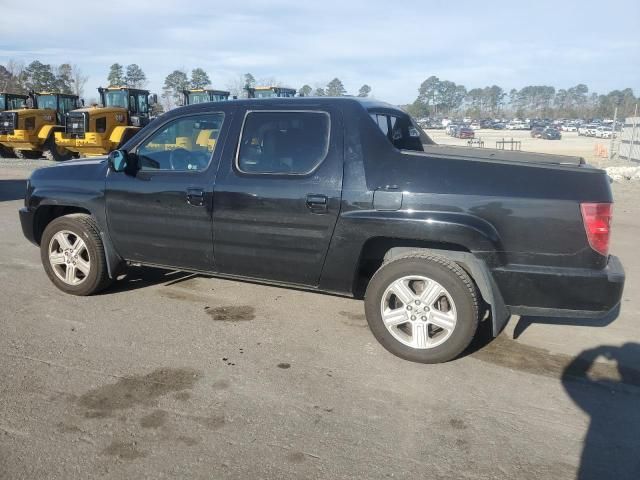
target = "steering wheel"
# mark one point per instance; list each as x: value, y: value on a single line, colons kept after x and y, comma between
x: 179, y: 159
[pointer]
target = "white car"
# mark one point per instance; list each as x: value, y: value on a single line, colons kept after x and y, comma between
x: 604, y: 132
x: 569, y: 128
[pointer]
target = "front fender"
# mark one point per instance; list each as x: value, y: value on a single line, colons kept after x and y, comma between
x: 46, y: 130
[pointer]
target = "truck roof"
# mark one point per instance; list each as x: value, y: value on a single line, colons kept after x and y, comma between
x: 367, y: 103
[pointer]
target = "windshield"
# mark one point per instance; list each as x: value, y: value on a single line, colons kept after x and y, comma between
x: 264, y: 93
x: 47, y: 101
x: 13, y: 103
x: 200, y: 97
x: 116, y: 98
x: 2, y: 103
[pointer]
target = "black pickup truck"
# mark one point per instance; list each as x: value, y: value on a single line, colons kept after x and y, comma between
x: 339, y: 195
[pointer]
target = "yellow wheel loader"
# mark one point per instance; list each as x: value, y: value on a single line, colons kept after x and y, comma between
x: 97, y: 130
x: 202, y: 95
x: 9, y: 101
x: 268, y: 92
x: 29, y: 131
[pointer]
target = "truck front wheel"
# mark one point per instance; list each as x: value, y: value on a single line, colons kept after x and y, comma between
x: 422, y: 308
x: 73, y: 256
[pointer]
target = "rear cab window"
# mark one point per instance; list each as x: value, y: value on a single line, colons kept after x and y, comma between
x: 400, y: 129
x: 283, y: 142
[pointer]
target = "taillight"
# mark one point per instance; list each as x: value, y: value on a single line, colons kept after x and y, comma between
x: 597, y: 223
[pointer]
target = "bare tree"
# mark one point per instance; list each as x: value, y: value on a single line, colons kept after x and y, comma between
x: 79, y: 80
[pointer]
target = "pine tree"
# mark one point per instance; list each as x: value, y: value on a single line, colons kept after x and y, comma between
x: 199, y: 78
x: 335, y: 88
x: 135, y: 77
x: 39, y: 77
x: 116, y: 76
x: 364, y: 91
x: 174, y: 84
x: 305, y: 91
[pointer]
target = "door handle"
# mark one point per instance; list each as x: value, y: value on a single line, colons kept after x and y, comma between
x: 195, y: 197
x: 317, y: 203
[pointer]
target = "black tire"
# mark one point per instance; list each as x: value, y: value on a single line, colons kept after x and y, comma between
x: 85, y: 227
x: 450, y: 276
x: 6, y: 152
x: 54, y: 153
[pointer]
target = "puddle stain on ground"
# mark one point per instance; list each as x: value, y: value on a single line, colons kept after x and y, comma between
x: 155, y: 419
x: 136, y: 390
x: 512, y: 354
x: 212, y: 423
x: 354, y: 319
x: 284, y: 365
x: 231, y: 313
x: 296, y: 457
x: 124, y: 450
x: 177, y: 294
x: 188, y: 441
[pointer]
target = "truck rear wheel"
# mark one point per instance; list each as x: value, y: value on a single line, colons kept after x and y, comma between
x: 73, y: 255
x: 422, y: 308
x: 54, y: 153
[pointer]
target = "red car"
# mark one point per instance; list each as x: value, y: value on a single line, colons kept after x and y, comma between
x: 465, y: 132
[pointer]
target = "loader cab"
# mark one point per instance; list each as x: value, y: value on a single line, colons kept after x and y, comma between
x: 61, y: 103
x: 12, y: 101
x: 134, y: 100
x: 269, y: 92
x: 202, y: 95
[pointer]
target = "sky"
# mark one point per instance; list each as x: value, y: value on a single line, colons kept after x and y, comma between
x: 390, y: 45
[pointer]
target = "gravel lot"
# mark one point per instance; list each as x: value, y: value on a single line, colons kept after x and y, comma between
x: 170, y: 375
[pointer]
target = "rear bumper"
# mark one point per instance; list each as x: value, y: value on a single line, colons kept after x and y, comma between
x: 26, y: 221
x: 561, y: 292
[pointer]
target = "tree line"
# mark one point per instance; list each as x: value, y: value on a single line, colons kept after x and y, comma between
x: 439, y: 98
x: 436, y: 98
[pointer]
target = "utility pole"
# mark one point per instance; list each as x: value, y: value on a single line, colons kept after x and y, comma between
x: 613, y: 132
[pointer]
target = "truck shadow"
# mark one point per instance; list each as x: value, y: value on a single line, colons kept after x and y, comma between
x: 611, y: 447
x: 141, y: 277
x: 526, y: 321
x: 12, y: 190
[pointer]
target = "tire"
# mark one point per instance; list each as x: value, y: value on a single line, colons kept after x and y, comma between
x: 54, y: 153
x: 89, y: 275
x: 420, y: 340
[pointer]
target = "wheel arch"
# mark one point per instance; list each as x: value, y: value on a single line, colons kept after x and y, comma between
x: 46, y: 213
x: 379, y: 250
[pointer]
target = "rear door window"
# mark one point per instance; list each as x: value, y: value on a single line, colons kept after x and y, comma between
x: 283, y: 142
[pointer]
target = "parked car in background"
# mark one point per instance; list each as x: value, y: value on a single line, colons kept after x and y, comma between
x: 569, y: 128
x: 498, y: 126
x: 551, y: 134
x: 465, y: 132
x: 604, y: 132
x: 536, y: 132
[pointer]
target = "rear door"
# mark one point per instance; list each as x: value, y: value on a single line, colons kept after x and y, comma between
x: 277, y: 194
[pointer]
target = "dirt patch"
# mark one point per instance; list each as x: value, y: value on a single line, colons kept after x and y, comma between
x: 155, y: 419
x: 188, y: 441
x: 284, y: 365
x: 124, y: 450
x: 136, y: 390
x: 182, y: 396
x: 457, y: 423
x: 353, y: 316
x: 296, y: 457
x: 231, y: 313
x: 509, y: 353
x: 212, y: 423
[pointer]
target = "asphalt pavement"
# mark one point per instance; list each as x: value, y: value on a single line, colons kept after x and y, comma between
x: 173, y: 375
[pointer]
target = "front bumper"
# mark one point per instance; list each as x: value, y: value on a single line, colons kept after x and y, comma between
x: 27, y: 223
x: 562, y: 292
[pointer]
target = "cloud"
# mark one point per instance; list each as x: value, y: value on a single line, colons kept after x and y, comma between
x: 392, y: 46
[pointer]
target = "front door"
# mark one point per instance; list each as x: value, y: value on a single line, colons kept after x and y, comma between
x: 161, y: 213
x: 277, y: 194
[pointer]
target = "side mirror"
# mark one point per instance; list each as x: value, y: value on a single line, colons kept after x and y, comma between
x: 118, y: 160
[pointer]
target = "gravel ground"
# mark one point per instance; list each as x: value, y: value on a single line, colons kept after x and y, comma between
x: 169, y: 375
